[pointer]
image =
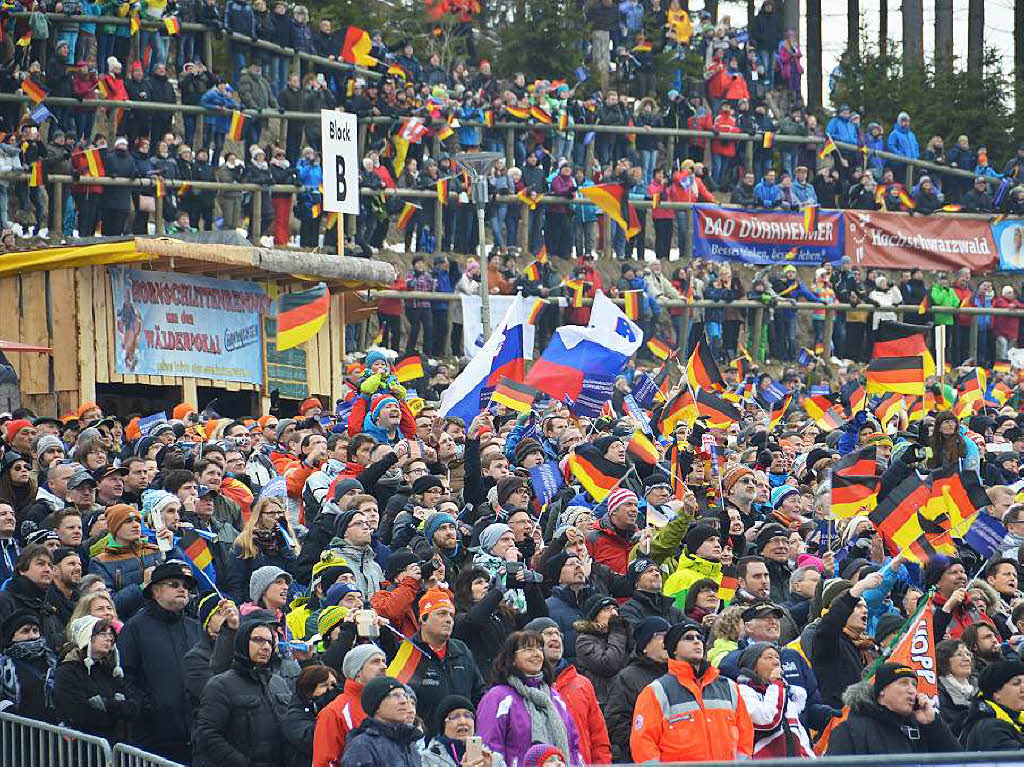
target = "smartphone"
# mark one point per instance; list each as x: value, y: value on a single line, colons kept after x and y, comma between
x: 474, y: 748
x: 513, y: 568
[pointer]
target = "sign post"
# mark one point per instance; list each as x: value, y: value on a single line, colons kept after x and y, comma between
x: 341, y: 167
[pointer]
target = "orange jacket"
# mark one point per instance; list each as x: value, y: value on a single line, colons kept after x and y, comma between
x: 578, y: 693
x: 334, y: 723
x: 399, y: 605
x: 704, y: 720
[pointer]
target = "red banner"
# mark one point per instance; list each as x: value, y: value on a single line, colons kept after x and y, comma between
x: 899, y: 241
x: 917, y: 650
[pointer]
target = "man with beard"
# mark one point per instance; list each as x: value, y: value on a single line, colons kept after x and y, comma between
x: 647, y: 600
x: 67, y: 574
x: 985, y: 645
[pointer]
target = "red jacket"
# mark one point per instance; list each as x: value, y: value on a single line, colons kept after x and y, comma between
x: 725, y: 123
x: 660, y: 189
x: 1006, y: 326
x: 578, y: 693
x: 399, y: 605
x: 706, y: 123
x: 334, y: 723
x: 687, y: 191
x: 80, y: 164
x: 737, y: 88
x: 716, y: 78
x: 608, y: 546
x: 392, y: 307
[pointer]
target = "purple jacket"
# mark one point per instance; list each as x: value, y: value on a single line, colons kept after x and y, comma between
x: 504, y: 723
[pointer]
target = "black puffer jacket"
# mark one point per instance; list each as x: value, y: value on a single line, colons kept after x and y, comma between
x: 207, y: 658
x: 836, y: 662
x: 74, y: 686
x: 602, y: 653
x: 622, y: 695
x: 240, y: 721
x: 23, y: 594
x: 983, y: 731
x: 644, y: 604
x: 871, y: 729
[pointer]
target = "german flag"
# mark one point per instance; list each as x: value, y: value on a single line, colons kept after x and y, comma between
x: 718, y: 412
x: 701, y: 369
x: 540, y: 114
x: 728, y: 585
x: 829, y: 148
x: 901, y: 339
x: 519, y: 114
x: 95, y: 162
x: 542, y: 254
x: 860, y: 463
x: 406, y: 663
x: 25, y: 40
x: 897, y: 521
x: 680, y: 408
x: 854, y: 495
x: 301, y: 315
x: 915, y: 408
x: 904, y: 375
x: 538, y: 307
x: 489, y: 118
x: 35, y: 92
x: 397, y: 70
x: 1000, y: 392
x: 1001, y: 366
x: 356, y: 48
x: 529, y: 200
x: 965, y: 407
x: 172, y: 25
x: 442, y: 191
x: 563, y: 121
x: 890, y: 406
x: 810, y: 219
x: 778, y: 411
x: 576, y: 287
x: 613, y: 200
x: 818, y: 404
x: 641, y: 448
x: 768, y: 140
x: 907, y: 200
x: 532, y: 272
x: 159, y: 184
x: 183, y: 189
x: 742, y: 368
x: 972, y: 387
x: 409, y: 368
x: 926, y: 303
x: 408, y: 211
x: 198, y: 553
x: 514, y: 395
x: 958, y: 495
x: 675, y: 479
x: 632, y: 301
x: 445, y: 132
x: 644, y: 47
x: 659, y: 348
x: 237, y: 130
x: 101, y: 87
x: 597, y: 474
x: 35, y: 177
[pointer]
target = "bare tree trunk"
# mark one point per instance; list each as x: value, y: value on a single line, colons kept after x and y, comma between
x: 883, y: 26
x: 944, y: 37
x: 791, y: 16
x: 750, y: 13
x: 1018, y: 53
x: 913, y: 34
x: 976, y: 38
x: 853, y: 29
x: 813, y: 55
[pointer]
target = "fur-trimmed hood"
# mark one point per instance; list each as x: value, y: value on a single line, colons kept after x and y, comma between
x: 583, y: 626
x: 860, y: 697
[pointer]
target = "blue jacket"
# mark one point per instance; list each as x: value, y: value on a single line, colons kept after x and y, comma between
x: 239, y: 17
x: 564, y: 608
x: 875, y: 598
x: 841, y: 129
x: 311, y: 174
x: 768, y: 195
x: 123, y: 576
x: 444, y: 285
x: 804, y: 192
x: 902, y: 141
x: 9, y: 551
x: 219, y: 122
x: 375, y: 742
x: 875, y: 145
x: 470, y: 136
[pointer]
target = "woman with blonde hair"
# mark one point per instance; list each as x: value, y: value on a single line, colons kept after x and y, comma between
x: 266, y: 539
x: 98, y: 604
x: 726, y: 633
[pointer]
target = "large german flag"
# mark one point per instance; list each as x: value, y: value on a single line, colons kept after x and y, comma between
x: 613, y: 200
x: 858, y: 399
x: 958, y: 495
x: 701, y: 369
x: 409, y: 368
x: 641, y: 448
x: 36, y: 92
x: 514, y: 395
x: 852, y: 495
x: 406, y: 662
x: 915, y: 408
x: 597, y: 474
x: 659, y: 348
x: 972, y: 386
x: 632, y: 304
x: 719, y: 412
x: 897, y: 521
x: 904, y: 375
x: 889, y: 407
x: 680, y: 408
x: 901, y: 339
x: 778, y: 411
x: 861, y: 463
x: 301, y: 315
x: 818, y: 404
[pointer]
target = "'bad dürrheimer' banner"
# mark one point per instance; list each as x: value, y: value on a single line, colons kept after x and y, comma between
x: 764, y: 237
x: 187, y: 325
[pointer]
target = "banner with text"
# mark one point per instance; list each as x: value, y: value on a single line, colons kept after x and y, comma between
x: 762, y: 237
x: 899, y: 241
x: 186, y: 325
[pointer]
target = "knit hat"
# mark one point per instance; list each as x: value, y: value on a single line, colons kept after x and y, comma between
x: 343, y: 522
x: 733, y: 476
x: 490, y: 535
x: 619, y: 496
x: 751, y: 654
x: 935, y: 568
x: 357, y: 657
x: 261, y: 579
x: 572, y: 514
x: 13, y: 427
x: 47, y: 442
x: 888, y: 673
x: 638, y: 567
x: 595, y: 603
x: 997, y: 674
x: 539, y: 625
x: 117, y: 515
x: 15, y: 621
x: 645, y: 630
x: 338, y: 591
x: 554, y: 564
x: 448, y: 704
x: 524, y: 448
x: 398, y: 561
x: 507, y: 486
x: 435, y: 599
x: 539, y: 753
x: 888, y: 624
x: 82, y: 630
x: 375, y: 691
x: 698, y: 533
x: 346, y: 485
x: 433, y: 524
x: 283, y: 424
x: 675, y: 633
x: 378, y: 402
x: 308, y: 404
x: 375, y: 355
x: 328, y: 618
x: 603, y: 443
x: 330, y: 565
x: 780, y: 494
x: 206, y: 607
x: 154, y: 502
x: 769, y: 531
x: 832, y: 589
x: 809, y: 560
x: 425, y: 483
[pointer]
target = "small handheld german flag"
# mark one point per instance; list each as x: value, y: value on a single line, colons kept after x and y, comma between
x: 540, y: 114
x: 642, y: 448
x: 408, y: 211
x: 25, y: 40
x: 489, y: 118
x: 632, y: 300
x: 907, y: 200
x: 810, y: 220
x: 34, y: 90
x: 237, y: 125
x: 829, y: 148
x: 532, y: 272
x: 442, y: 191
x: 659, y: 348
x: 514, y: 395
x: 768, y: 140
x: 926, y: 303
x: 563, y: 121
x: 95, y: 162
x: 173, y: 25
x: 409, y: 368
x: 35, y: 177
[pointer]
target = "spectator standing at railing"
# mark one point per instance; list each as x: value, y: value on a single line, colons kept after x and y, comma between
x: 978, y: 200
x: 964, y: 292
x: 281, y: 172
x: 302, y: 36
x: 136, y: 122
x: 230, y: 200
x: 220, y: 99
x: 196, y: 81
x: 115, y: 204
x: 768, y: 193
x: 840, y: 128
x: 258, y: 172
x: 417, y: 310
x: 723, y: 153
x: 10, y: 162
x: 58, y: 81
x: 765, y: 35
x: 902, y: 141
x: 829, y: 189
x: 327, y: 45
x: 154, y: 38
x: 33, y: 148
x: 240, y: 19
x: 793, y: 125
x: 58, y: 162
x: 255, y: 92
x: 162, y: 92
x: 743, y: 193
x: 293, y: 99
x: 1005, y: 328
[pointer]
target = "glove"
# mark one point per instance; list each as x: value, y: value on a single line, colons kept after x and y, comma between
x: 97, y: 703
x: 398, y: 389
x: 498, y: 582
x: 371, y: 384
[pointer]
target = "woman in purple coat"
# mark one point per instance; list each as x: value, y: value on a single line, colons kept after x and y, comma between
x: 522, y: 708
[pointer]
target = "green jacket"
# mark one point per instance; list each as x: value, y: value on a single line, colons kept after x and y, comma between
x: 666, y: 544
x: 944, y: 297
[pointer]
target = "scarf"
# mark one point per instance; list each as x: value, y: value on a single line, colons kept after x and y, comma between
x: 33, y: 650
x: 865, y: 645
x: 514, y: 598
x: 959, y: 692
x: 1014, y: 718
x: 545, y: 722
x: 266, y: 540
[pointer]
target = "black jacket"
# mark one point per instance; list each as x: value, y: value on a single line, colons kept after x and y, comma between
x: 455, y: 674
x: 836, y: 662
x: 644, y: 604
x: 602, y: 653
x: 954, y: 714
x: 240, y: 721
x: 118, y: 165
x: 22, y: 594
x: 377, y: 744
x: 743, y: 194
x: 153, y: 644
x: 206, y: 659
x: 74, y: 686
x: 984, y: 732
x: 871, y: 729
x: 622, y: 695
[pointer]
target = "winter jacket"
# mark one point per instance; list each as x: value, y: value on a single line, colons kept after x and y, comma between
x: 902, y: 141
x: 601, y: 653
x: 153, y: 644
x: 333, y: 725
x: 398, y: 604
x: 565, y: 607
x: 123, y: 569
x: 118, y: 164
x: 484, y: 627
x: 713, y: 727
x: 985, y: 729
x: 240, y: 569
x: 361, y: 559
x: 379, y: 744
x: 578, y: 693
x: 768, y: 195
x: 690, y: 569
x: 610, y: 545
x: 206, y: 659
x: 454, y: 674
x: 239, y: 722
x: 871, y: 729
x: 775, y: 711
x: 622, y: 696
x: 75, y: 687
x: 255, y: 93
x: 744, y: 195
x: 20, y: 593
x: 842, y: 129
x: 503, y: 721
x: 836, y: 662
x: 644, y: 604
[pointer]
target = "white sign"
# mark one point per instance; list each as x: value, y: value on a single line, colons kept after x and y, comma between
x: 340, y: 162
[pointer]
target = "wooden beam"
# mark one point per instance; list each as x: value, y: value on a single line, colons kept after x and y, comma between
x: 86, y: 341
x: 35, y: 369
x: 65, y: 340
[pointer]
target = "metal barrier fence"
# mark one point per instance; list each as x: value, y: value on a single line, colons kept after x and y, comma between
x: 31, y: 743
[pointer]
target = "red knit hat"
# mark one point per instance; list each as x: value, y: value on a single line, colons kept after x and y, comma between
x: 308, y: 404
x: 619, y: 496
x: 13, y: 427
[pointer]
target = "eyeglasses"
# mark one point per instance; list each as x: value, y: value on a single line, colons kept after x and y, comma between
x: 457, y: 715
x: 261, y: 641
x: 398, y: 696
x: 135, y: 518
x: 691, y: 637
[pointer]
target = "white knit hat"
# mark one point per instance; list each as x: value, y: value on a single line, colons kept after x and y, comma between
x: 82, y: 631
